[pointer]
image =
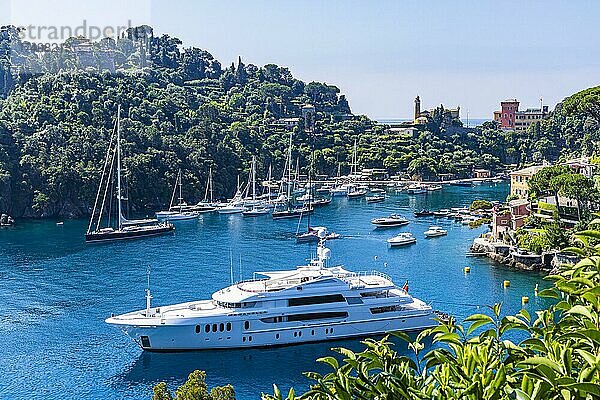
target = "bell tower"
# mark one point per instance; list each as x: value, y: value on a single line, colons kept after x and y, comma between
x: 417, y: 108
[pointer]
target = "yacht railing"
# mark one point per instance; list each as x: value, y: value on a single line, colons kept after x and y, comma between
x: 361, y: 274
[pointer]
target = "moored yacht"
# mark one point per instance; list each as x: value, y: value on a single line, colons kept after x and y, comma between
x: 392, y: 220
x: 311, y: 303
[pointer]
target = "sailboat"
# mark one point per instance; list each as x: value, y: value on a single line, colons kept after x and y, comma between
x: 207, y: 205
x: 258, y: 207
x: 120, y: 228
x: 290, y: 211
x: 181, y: 211
x: 235, y: 205
x: 317, y: 233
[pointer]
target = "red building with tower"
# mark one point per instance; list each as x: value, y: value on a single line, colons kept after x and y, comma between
x: 506, y: 116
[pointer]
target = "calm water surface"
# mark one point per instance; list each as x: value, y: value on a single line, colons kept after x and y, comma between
x: 56, y: 291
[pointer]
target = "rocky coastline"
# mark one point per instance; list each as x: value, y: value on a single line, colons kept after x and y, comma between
x: 511, y: 256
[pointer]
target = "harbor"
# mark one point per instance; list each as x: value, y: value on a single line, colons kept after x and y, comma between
x: 57, y: 290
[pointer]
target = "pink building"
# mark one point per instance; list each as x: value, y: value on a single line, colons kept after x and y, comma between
x: 506, y: 116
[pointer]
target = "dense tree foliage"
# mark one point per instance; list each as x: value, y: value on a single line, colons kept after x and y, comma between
x: 183, y: 109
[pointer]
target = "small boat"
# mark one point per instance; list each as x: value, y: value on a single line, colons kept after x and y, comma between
x: 377, y: 190
x: 291, y: 213
x: 423, y: 213
x: 444, y: 212
x: 434, y: 188
x: 338, y: 191
x: 207, y: 205
x: 61, y: 223
x: 375, y: 199
x: 392, y: 220
x: 332, y: 235
x: 231, y: 208
x: 256, y: 212
x: 180, y: 211
x: 402, y: 239
x: 462, y: 183
x: 320, y: 202
x: 355, y: 194
x: 416, y: 189
x: 435, y: 231
x: 314, y: 234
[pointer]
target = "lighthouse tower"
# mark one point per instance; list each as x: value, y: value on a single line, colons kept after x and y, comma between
x: 417, y: 108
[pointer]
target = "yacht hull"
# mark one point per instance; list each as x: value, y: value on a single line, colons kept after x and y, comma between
x: 185, y: 336
x: 99, y: 237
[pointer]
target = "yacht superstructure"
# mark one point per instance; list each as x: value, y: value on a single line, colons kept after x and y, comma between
x: 311, y: 303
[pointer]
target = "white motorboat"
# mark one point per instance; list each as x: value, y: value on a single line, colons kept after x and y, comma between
x: 375, y: 199
x: 416, y: 189
x: 402, y: 239
x: 310, y: 303
x: 444, y: 212
x: 435, y: 231
x: 256, y: 212
x: 433, y: 188
x: 392, y: 220
x: 339, y: 191
x: 231, y: 208
x: 356, y: 193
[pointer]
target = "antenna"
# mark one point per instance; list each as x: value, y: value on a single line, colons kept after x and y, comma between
x: 231, y: 265
x: 241, y: 267
x: 148, y: 295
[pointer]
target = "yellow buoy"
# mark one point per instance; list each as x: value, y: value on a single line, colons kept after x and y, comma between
x: 506, y: 283
x: 535, y: 291
x: 524, y: 299
x: 467, y: 270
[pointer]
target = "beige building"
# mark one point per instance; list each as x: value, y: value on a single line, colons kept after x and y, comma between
x: 519, y: 180
x: 530, y: 116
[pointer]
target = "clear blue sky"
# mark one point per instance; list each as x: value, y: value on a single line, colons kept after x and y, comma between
x: 380, y: 53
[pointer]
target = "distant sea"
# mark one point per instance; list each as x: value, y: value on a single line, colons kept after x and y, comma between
x: 473, y: 122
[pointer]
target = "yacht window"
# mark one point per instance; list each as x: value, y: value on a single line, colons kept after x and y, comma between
x: 246, y: 325
x: 249, y: 338
x: 277, y: 336
x: 321, y: 315
x: 375, y: 294
x: 354, y: 300
x: 312, y: 332
x: 214, y: 327
x: 385, y: 309
x: 228, y: 326
x: 207, y: 328
x: 243, y: 338
x: 197, y: 328
x: 221, y: 327
x: 305, y: 301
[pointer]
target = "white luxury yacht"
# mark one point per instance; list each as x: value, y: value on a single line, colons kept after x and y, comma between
x: 307, y: 304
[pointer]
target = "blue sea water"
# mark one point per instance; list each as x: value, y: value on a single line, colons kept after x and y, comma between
x: 56, y: 291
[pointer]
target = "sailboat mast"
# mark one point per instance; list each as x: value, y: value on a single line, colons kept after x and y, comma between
x: 211, y: 184
x: 253, y: 177
x: 289, y: 170
x: 180, y: 191
x: 119, y: 164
